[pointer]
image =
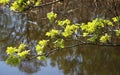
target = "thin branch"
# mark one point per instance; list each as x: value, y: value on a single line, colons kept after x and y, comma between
x: 42, y: 5
x: 82, y: 43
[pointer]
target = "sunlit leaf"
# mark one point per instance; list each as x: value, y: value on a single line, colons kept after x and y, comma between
x: 118, y: 33
x: 85, y: 34
x: 23, y: 54
x: 69, y: 30
x: 116, y: 19
x: 64, y: 22
x: 53, y: 33
x: 38, y: 2
x: 21, y: 47
x: 59, y: 43
x: 43, y: 58
x: 51, y: 16
x: 41, y: 45
x: 11, y: 50
x: 104, y: 38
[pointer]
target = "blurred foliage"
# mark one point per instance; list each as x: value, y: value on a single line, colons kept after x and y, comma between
x: 4, y: 1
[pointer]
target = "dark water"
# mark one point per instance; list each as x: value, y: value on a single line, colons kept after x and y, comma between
x: 30, y: 27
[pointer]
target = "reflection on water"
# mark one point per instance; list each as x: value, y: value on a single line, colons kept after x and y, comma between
x: 92, y: 61
x: 31, y: 26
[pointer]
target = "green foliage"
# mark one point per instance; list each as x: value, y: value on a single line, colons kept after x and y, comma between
x: 53, y: 33
x: 4, y: 1
x: 21, y: 47
x: 64, y: 22
x: 40, y: 49
x: 108, y: 22
x: 116, y: 19
x: 59, y: 43
x: 40, y: 46
x: 13, y: 60
x: 22, y: 5
x: 51, y: 16
x: 70, y: 30
x: 94, y: 29
x: 38, y: 2
x: 19, y: 5
x: 85, y: 34
x: 16, y: 54
x: 43, y: 42
x: 97, y: 30
x: 23, y: 54
x: 20, y: 51
x: 93, y: 38
x: 93, y: 26
x: 43, y: 58
x: 105, y: 38
x: 118, y: 32
x: 11, y: 50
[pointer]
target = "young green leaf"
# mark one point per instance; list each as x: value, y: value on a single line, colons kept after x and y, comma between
x: 23, y: 54
x: 43, y: 58
x: 59, y: 43
x: 64, y: 22
x: 105, y: 38
x: 53, y: 33
x: 51, y: 16
x: 116, y: 19
x: 11, y: 50
x: 118, y: 33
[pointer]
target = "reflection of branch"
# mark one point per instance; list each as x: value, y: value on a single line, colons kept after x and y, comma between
x: 82, y: 43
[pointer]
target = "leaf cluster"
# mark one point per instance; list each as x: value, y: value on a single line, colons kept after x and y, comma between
x: 16, y: 54
x: 96, y: 29
x: 21, y: 5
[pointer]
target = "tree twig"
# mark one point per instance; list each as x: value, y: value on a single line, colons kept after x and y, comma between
x: 82, y: 43
x: 46, y: 4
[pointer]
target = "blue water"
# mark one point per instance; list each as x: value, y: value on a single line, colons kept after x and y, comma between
x: 47, y: 70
